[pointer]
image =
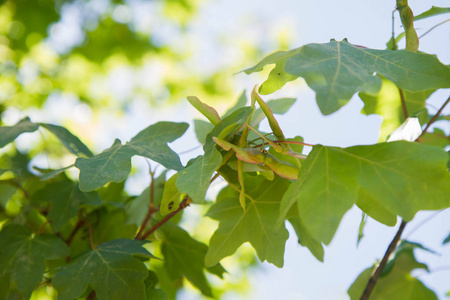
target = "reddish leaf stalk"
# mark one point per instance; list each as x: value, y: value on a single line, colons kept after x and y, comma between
x: 79, y: 224
x: 185, y: 203
x: 373, y: 279
x: 90, y: 235
x: 151, y: 208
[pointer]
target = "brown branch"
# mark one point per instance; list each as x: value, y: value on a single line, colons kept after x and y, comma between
x: 185, y: 203
x: 434, y: 118
x: 373, y: 279
x: 404, y: 108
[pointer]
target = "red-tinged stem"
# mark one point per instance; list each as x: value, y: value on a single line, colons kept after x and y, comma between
x: 151, y: 208
x: 434, y: 119
x: 185, y: 203
x: 373, y: 279
x: 79, y: 224
x: 91, y: 296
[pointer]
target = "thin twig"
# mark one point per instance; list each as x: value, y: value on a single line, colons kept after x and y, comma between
x: 373, y: 279
x: 185, y: 203
x: 433, y: 28
x: 434, y: 118
x: 404, y: 108
x: 79, y: 224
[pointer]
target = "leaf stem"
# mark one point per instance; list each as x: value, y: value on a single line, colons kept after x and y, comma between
x: 185, y: 203
x: 404, y: 108
x: 373, y: 279
x: 434, y: 118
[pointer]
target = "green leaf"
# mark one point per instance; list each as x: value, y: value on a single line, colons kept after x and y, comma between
x: 398, y: 176
x: 202, y: 128
x: 395, y: 282
x: 304, y: 236
x: 209, y: 112
x: 437, y: 138
x: 433, y: 11
x: 50, y: 174
x: 23, y: 255
x: 255, y: 225
x: 387, y: 104
x: 152, y: 143
x: 70, y: 141
x: 113, y: 164
x: 194, y: 179
x: 10, y: 133
x: 337, y: 70
x: 185, y: 256
x: 63, y: 201
x: 171, y: 196
x: 111, y: 270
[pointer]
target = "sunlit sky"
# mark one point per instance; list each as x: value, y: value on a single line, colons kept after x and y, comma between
x: 220, y: 24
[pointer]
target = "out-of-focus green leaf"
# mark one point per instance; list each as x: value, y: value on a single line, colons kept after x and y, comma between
x: 387, y: 104
x: 185, y: 256
x: 70, y: 141
x: 202, y: 128
x: 23, y: 255
x: 171, y: 196
x: 437, y: 138
x: 111, y: 270
x: 10, y: 133
x: 63, y: 201
x: 447, y: 239
x: 255, y: 225
x: 395, y: 282
x: 397, y: 175
x: 194, y: 179
x: 114, y: 164
x: 111, y: 38
x: 209, y: 112
x: 433, y: 11
x: 337, y: 70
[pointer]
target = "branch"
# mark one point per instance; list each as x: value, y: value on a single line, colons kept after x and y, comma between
x: 373, y: 279
x: 185, y: 203
x: 434, y: 118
